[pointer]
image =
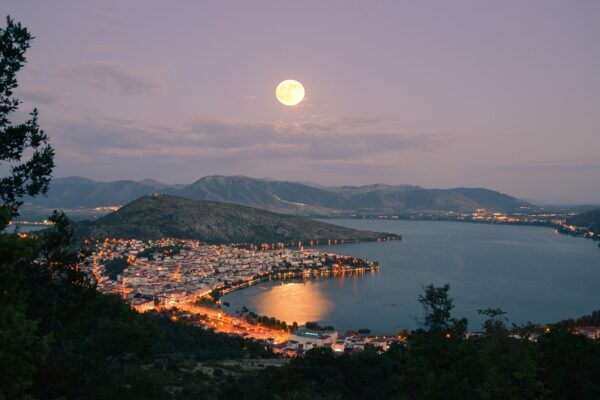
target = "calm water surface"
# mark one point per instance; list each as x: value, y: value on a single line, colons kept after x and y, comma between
x: 533, y: 273
x: 24, y: 228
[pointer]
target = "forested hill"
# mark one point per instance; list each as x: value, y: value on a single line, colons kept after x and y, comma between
x: 157, y: 216
x: 589, y: 219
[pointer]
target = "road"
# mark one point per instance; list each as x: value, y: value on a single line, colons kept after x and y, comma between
x: 223, y: 322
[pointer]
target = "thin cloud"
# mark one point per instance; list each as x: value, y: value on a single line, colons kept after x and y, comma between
x: 234, y: 143
x: 112, y: 76
x: 37, y: 95
x: 321, y: 146
x: 555, y: 165
x: 107, y: 14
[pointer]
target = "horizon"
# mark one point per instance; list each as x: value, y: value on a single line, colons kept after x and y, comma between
x: 499, y: 96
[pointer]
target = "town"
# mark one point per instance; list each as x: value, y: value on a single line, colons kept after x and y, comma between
x: 188, y: 277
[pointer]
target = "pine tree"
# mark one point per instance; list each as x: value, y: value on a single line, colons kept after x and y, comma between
x: 22, y: 349
x: 27, y: 175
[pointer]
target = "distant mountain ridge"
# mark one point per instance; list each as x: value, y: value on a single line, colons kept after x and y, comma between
x: 280, y: 196
x: 75, y: 191
x: 158, y: 216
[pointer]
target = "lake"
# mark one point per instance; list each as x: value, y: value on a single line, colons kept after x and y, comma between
x: 24, y: 228
x: 533, y: 273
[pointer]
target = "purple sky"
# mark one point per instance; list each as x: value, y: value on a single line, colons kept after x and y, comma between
x: 504, y: 95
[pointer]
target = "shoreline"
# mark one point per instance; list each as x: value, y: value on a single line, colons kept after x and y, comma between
x: 276, y: 277
x: 295, y: 274
x: 561, y: 228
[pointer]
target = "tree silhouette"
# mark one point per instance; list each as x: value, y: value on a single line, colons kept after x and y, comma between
x: 30, y: 161
x: 24, y: 146
x: 437, y: 307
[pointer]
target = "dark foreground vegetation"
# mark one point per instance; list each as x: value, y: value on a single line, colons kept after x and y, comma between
x: 61, y: 339
x: 439, y: 362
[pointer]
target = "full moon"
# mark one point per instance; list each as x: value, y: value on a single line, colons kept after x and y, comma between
x: 290, y: 92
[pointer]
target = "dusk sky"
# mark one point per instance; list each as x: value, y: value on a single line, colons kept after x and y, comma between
x: 503, y: 95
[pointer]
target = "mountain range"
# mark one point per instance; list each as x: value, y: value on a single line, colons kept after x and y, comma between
x: 280, y: 196
x: 159, y: 215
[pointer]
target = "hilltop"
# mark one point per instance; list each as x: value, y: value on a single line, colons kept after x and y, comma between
x: 282, y: 196
x: 157, y: 216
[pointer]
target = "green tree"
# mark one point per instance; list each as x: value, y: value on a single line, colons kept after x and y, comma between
x: 58, y: 253
x: 569, y: 364
x: 22, y: 348
x: 24, y: 147
x: 506, y: 367
x: 27, y: 175
x: 496, y: 322
x: 437, y: 307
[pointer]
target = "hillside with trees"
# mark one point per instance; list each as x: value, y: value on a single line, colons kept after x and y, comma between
x: 589, y: 219
x: 159, y: 215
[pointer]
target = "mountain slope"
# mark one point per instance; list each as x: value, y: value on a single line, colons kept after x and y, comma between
x: 589, y: 219
x: 297, y: 197
x: 81, y: 192
x: 262, y: 193
x: 281, y: 196
x: 156, y: 216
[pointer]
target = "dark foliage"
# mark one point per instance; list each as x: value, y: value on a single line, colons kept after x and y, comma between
x: 24, y: 147
x: 440, y: 363
x: 74, y: 342
x: 589, y: 219
x: 313, y: 326
x: 587, y: 320
x: 115, y: 267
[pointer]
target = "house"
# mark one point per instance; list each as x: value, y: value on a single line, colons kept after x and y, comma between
x: 591, y: 332
x: 316, y: 338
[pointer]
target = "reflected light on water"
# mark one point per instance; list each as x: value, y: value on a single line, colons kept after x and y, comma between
x: 300, y: 302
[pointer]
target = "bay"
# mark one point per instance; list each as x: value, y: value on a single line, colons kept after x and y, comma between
x: 533, y: 273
